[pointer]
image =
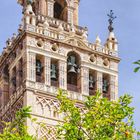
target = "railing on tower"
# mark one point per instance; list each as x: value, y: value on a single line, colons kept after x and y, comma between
x: 56, y: 23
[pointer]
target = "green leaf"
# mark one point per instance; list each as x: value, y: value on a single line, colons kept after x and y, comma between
x: 136, y: 69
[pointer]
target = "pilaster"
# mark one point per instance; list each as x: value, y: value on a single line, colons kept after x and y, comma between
x: 47, y: 71
x: 63, y: 74
x: 112, y: 87
x: 99, y: 81
x: 31, y: 66
x: 84, y: 81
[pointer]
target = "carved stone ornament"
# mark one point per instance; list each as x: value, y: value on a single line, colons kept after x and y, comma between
x: 106, y: 62
x: 92, y: 58
x: 40, y: 43
x: 54, y: 47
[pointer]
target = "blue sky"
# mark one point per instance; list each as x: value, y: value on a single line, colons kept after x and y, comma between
x: 92, y: 14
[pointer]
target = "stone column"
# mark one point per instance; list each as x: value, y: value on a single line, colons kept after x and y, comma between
x: 50, y: 8
x: 31, y: 66
x: 48, y: 71
x: 63, y: 74
x: 84, y: 81
x: 76, y: 11
x: 70, y: 15
x: 99, y: 81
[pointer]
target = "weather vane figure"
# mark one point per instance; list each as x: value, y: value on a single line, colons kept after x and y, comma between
x: 111, y: 19
x: 29, y: 1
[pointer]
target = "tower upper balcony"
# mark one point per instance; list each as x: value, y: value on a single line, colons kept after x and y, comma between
x: 60, y: 15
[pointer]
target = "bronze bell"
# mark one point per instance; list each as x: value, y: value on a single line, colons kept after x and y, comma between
x: 72, y: 70
x: 38, y: 67
x: 53, y: 72
x: 105, y: 86
x: 72, y: 66
x: 91, y: 82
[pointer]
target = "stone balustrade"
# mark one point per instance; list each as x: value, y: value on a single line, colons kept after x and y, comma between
x: 49, y: 22
x: 52, y: 22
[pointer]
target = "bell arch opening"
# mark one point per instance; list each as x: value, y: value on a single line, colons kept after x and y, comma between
x: 61, y: 10
x: 73, y: 72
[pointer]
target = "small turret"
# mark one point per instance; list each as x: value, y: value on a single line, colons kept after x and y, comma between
x: 98, y: 40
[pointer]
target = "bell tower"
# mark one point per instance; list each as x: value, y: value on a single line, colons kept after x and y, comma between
x: 51, y: 51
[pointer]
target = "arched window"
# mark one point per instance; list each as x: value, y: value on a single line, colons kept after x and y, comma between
x: 60, y: 10
x: 73, y: 72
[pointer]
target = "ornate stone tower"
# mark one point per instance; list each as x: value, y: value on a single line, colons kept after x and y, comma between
x: 51, y: 51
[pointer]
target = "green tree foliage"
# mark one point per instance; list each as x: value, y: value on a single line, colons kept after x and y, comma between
x: 138, y: 66
x: 101, y: 120
x: 17, y: 130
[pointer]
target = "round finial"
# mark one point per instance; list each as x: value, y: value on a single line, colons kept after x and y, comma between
x: 110, y: 20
